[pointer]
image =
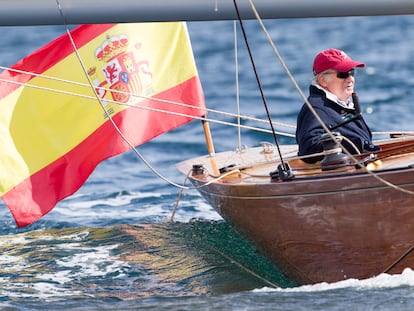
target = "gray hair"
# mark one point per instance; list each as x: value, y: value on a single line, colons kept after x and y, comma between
x: 315, y: 77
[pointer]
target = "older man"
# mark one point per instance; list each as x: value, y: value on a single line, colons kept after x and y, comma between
x: 330, y: 95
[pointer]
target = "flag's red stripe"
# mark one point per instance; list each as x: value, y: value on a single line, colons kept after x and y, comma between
x: 42, y: 60
x: 38, y: 194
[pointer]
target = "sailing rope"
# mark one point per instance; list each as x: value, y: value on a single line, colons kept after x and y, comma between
x: 396, y: 262
x: 243, y: 267
x: 172, y: 103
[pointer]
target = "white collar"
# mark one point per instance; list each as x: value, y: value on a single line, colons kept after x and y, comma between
x: 349, y: 104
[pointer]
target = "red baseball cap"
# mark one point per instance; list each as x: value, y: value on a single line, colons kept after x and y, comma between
x: 334, y: 59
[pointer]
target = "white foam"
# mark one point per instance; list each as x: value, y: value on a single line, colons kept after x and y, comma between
x: 125, y: 207
x: 12, y: 263
x: 11, y: 240
x: 406, y: 278
x: 91, y: 262
x: 81, y: 262
x: 76, y: 236
x: 47, y: 291
x: 121, y: 199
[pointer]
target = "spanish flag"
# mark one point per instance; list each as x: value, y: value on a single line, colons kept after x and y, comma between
x: 84, y: 98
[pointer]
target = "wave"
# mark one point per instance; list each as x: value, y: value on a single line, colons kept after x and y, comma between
x: 382, y: 281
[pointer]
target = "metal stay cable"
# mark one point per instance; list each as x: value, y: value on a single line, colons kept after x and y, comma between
x: 236, y: 76
x: 258, y: 82
x: 275, y: 50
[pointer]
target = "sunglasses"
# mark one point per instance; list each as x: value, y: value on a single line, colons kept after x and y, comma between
x: 343, y: 74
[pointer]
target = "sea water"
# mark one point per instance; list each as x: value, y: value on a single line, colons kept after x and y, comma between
x: 111, y: 246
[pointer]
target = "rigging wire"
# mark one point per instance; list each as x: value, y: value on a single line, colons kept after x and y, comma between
x: 236, y: 77
x: 258, y: 82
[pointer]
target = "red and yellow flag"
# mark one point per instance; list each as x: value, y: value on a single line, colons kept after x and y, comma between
x: 53, y: 129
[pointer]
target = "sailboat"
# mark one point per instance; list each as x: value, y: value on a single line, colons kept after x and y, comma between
x: 347, y: 216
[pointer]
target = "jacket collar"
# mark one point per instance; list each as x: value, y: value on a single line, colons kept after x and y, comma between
x: 332, y: 97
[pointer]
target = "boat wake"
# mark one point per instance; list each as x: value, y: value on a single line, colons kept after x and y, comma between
x: 125, y: 262
x: 382, y: 281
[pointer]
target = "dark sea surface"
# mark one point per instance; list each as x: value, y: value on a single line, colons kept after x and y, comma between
x: 111, y: 245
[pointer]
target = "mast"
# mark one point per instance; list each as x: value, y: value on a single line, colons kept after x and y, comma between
x: 46, y: 12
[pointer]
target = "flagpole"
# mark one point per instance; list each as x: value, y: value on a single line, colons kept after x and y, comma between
x: 210, y: 147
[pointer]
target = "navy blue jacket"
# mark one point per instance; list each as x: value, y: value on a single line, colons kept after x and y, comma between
x: 309, y: 129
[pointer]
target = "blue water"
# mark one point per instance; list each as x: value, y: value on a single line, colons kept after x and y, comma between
x: 111, y: 246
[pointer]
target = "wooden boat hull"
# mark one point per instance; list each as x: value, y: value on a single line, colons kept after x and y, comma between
x: 323, y: 229
x: 316, y: 236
